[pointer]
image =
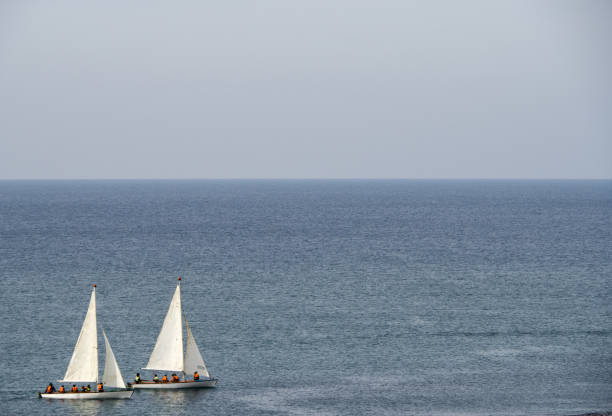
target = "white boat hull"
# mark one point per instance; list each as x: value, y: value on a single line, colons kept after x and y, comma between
x: 94, y: 395
x: 180, y: 385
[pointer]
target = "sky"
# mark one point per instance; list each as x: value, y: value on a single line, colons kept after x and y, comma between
x: 305, y: 89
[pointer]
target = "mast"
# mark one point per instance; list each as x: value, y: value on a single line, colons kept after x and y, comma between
x: 96, y: 325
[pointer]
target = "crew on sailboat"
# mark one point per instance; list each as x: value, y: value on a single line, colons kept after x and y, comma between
x: 62, y: 390
x: 196, y: 376
x: 165, y: 379
x: 175, y: 378
x: 100, y: 387
x: 75, y: 389
x: 50, y: 388
x: 155, y: 378
x: 137, y: 379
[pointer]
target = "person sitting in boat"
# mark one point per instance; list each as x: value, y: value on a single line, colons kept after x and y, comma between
x: 165, y: 379
x: 50, y: 388
x: 84, y: 389
x: 62, y: 390
x: 155, y: 378
x: 100, y: 387
x: 175, y: 378
x: 88, y: 388
x: 137, y: 378
x: 196, y: 376
x: 74, y: 389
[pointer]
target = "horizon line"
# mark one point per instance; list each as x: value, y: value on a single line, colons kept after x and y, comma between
x: 317, y: 179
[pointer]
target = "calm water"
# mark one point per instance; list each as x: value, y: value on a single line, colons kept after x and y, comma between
x: 318, y: 297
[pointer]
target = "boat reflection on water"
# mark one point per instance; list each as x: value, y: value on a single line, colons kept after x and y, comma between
x: 88, y: 407
x: 174, y: 397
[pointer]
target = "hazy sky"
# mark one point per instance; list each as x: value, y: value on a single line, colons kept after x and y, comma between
x: 306, y: 89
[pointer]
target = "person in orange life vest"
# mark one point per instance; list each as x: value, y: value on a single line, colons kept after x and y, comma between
x: 175, y: 378
x: 74, y: 389
x: 100, y: 387
x: 196, y: 376
x: 61, y: 390
x: 165, y: 379
x: 50, y: 388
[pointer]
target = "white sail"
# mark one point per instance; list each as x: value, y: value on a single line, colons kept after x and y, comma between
x: 168, y: 352
x: 193, y: 358
x: 112, y: 374
x: 84, y: 362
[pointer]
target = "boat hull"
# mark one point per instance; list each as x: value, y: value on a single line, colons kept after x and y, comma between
x: 179, y: 385
x: 93, y: 395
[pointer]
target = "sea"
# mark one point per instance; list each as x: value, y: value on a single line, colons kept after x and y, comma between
x: 317, y: 297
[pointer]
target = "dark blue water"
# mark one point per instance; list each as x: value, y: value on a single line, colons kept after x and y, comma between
x: 318, y: 297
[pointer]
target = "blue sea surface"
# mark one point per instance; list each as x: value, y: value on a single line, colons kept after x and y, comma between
x: 318, y: 297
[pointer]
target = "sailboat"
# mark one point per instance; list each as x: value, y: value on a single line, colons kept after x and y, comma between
x: 168, y: 354
x: 83, y: 366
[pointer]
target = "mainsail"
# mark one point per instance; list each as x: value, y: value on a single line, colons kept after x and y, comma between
x: 168, y: 352
x: 83, y: 365
x: 112, y: 374
x: 193, y: 358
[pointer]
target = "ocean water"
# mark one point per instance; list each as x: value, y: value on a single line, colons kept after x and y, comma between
x: 318, y: 297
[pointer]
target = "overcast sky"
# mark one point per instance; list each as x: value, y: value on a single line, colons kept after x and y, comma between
x: 306, y: 89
